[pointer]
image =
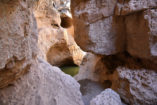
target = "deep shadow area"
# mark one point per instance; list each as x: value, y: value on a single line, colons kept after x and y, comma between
x: 126, y: 60
x: 66, y: 22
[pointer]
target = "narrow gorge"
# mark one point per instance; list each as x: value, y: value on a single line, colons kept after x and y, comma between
x: 78, y: 52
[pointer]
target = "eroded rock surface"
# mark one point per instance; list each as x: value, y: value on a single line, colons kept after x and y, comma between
x: 43, y: 85
x: 123, y: 34
x: 132, y: 78
x: 136, y: 86
x: 56, y: 44
x: 18, y: 39
x: 107, y: 97
x: 108, y: 27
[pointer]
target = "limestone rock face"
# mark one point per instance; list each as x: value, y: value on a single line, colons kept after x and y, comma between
x: 136, y: 86
x: 96, y: 30
x: 134, y: 82
x: 18, y: 39
x: 124, y: 33
x: 43, y: 85
x: 127, y: 26
x: 56, y: 44
x: 142, y: 33
x: 107, y: 97
x: 132, y: 78
x: 131, y: 6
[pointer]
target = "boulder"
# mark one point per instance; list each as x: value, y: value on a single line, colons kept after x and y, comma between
x: 43, y: 85
x: 131, y: 27
x: 107, y: 97
x: 136, y: 87
x: 96, y: 29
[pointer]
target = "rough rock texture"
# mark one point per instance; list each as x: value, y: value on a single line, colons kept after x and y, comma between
x: 18, y: 39
x: 136, y: 86
x: 125, y: 7
x: 107, y: 97
x: 134, y: 79
x: 124, y: 33
x: 96, y: 30
x: 43, y: 85
x: 131, y: 27
x: 55, y: 43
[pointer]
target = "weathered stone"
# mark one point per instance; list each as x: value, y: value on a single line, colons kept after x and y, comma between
x: 18, y: 39
x: 125, y: 7
x: 56, y: 45
x: 107, y: 97
x: 43, y: 85
x: 96, y: 30
x: 59, y: 55
x: 133, y: 78
x: 136, y: 87
x: 142, y: 34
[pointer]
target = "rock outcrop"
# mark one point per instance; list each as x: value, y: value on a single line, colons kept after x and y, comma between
x: 107, y: 97
x: 122, y: 35
x: 136, y: 86
x: 24, y: 79
x: 18, y: 39
x: 43, y: 85
x: 112, y: 26
x: 56, y: 44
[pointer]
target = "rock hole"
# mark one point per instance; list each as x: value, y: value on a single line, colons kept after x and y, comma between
x: 66, y: 22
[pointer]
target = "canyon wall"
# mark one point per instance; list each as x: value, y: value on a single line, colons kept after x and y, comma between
x: 56, y: 42
x: 25, y: 77
x: 122, y: 36
x: 18, y: 39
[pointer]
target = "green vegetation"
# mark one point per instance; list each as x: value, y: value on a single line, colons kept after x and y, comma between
x: 71, y: 70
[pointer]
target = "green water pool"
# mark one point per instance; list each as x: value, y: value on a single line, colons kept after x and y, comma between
x: 71, y: 70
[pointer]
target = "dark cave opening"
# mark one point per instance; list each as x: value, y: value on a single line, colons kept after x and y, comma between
x: 66, y: 22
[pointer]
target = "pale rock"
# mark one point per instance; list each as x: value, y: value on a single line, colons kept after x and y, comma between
x: 125, y: 7
x: 56, y: 44
x: 107, y: 97
x: 18, y: 39
x: 131, y: 27
x: 136, y: 87
x: 96, y: 29
x: 43, y: 85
